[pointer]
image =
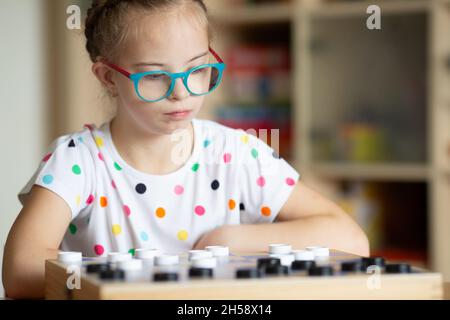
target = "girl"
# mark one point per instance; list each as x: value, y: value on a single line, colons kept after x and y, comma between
x: 155, y: 176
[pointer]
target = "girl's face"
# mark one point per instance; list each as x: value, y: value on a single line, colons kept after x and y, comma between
x: 174, y: 41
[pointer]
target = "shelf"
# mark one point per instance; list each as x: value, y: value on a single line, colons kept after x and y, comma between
x: 345, y: 9
x: 266, y: 13
x: 385, y: 172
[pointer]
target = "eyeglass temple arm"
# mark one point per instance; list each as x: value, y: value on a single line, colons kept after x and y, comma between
x: 215, y: 55
x: 117, y: 68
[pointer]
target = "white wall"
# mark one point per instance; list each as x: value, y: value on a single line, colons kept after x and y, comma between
x: 22, y: 103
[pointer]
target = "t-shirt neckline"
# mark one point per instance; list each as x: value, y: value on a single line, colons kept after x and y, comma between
x: 144, y: 175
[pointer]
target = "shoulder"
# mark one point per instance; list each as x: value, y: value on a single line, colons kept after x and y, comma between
x: 81, y: 143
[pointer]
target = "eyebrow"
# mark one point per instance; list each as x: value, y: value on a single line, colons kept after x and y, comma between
x: 162, y: 65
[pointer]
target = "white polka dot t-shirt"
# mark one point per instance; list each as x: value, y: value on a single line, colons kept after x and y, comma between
x: 231, y: 177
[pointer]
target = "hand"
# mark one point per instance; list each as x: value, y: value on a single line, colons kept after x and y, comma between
x: 213, y: 237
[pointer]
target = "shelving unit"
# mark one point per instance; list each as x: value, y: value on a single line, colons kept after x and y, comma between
x: 421, y: 35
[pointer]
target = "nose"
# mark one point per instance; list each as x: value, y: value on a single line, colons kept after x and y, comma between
x: 179, y: 90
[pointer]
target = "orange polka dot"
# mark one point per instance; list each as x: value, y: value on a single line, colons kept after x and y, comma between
x: 103, y: 202
x: 265, y: 211
x: 160, y: 212
x: 231, y: 204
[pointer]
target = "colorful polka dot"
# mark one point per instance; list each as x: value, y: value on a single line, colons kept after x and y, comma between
x: 231, y: 204
x: 76, y: 169
x: 241, y: 206
x: 178, y: 190
x: 116, y: 165
x: 215, y: 185
x: 261, y: 181
x: 199, y: 210
x: 90, y: 199
x: 254, y: 153
x: 46, y: 157
x: 80, y: 139
x: 132, y: 251
x: 100, y: 156
x: 182, y: 235
x: 103, y: 202
x: 144, y: 236
x: 265, y: 211
x: 98, y: 249
x: 227, y: 157
x: 116, y: 229
x: 206, y: 143
x: 126, y: 210
x: 160, y: 212
x: 290, y: 181
x: 99, y: 141
x: 244, y: 138
x: 195, y: 167
x: 141, y: 188
x: 113, y: 184
x: 72, y: 228
x: 78, y: 200
x: 47, y: 179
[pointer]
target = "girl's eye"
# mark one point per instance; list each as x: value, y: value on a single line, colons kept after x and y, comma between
x: 201, y: 70
x: 154, y: 77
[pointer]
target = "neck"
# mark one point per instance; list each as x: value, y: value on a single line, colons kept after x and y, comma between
x: 150, y: 152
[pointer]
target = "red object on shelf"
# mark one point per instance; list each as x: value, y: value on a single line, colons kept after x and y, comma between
x: 259, y: 59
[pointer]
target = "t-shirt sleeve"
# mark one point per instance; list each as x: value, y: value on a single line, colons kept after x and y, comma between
x: 67, y: 170
x: 266, y: 180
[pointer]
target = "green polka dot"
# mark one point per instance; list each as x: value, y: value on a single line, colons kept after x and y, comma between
x: 76, y: 169
x: 72, y: 228
x: 116, y: 165
x: 132, y: 251
x: 195, y: 167
x: 254, y: 153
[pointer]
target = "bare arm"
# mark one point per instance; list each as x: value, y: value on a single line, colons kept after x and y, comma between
x: 306, y: 219
x: 34, y: 237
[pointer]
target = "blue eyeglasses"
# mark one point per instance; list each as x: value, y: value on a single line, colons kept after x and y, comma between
x: 153, y: 86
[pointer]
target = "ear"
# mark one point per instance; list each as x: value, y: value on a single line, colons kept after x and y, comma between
x: 105, y: 75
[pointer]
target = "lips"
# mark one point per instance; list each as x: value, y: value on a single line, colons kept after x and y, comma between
x: 178, y: 112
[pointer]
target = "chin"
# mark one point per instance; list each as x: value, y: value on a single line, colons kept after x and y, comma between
x: 169, y: 126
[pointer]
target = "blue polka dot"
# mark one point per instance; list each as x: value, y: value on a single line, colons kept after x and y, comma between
x: 206, y: 143
x: 47, y: 179
x: 144, y: 236
x: 80, y: 139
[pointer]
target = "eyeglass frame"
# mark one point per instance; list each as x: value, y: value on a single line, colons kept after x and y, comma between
x: 136, y: 77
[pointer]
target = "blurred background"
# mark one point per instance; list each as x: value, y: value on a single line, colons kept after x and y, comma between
x: 363, y: 114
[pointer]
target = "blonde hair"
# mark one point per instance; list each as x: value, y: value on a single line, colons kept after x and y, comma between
x: 106, y: 27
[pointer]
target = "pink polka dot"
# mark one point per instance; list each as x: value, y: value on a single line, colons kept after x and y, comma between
x: 113, y: 184
x: 90, y: 199
x: 227, y: 157
x: 290, y: 181
x: 99, y: 250
x: 47, y: 156
x: 126, y: 210
x: 199, y: 210
x: 261, y: 181
x: 178, y: 189
x: 100, y: 156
